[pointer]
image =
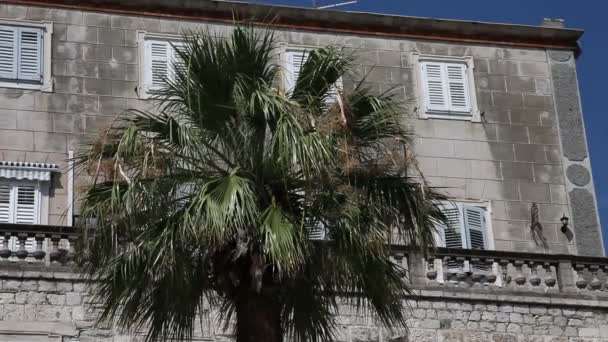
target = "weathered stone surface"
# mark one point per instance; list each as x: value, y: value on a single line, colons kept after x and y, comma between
x: 578, y: 175
x: 586, y: 227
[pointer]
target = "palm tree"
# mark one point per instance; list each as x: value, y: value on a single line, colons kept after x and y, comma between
x: 270, y: 204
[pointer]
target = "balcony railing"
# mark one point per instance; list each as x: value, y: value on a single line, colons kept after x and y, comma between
x: 496, y: 271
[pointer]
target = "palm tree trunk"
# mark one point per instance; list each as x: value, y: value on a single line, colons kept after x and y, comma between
x: 258, y: 318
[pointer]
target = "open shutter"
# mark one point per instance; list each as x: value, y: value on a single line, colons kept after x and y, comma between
x: 475, y: 224
x: 452, y: 232
x: 295, y: 61
x: 5, y: 203
x: 30, y: 54
x: 176, y: 60
x: 457, y: 88
x: 26, y: 206
x: 435, y: 86
x: 158, y: 62
x: 8, y: 52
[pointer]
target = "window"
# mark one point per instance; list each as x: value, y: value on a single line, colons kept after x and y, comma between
x: 19, y: 202
x: 25, y: 55
x: 158, y: 57
x: 467, y: 226
x: 446, y: 88
x: 294, y: 60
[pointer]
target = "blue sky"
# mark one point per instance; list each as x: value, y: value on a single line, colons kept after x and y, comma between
x: 589, y: 15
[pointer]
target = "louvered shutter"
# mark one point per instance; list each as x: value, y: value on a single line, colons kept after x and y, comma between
x: 158, y: 56
x: 475, y: 224
x: 5, y: 203
x: 435, y: 86
x: 26, y: 210
x: 317, y: 233
x: 457, y: 88
x: 176, y: 60
x: 8, y: 52
x: 30, y: 54
x: 452, y: 234
x: 295, y: 61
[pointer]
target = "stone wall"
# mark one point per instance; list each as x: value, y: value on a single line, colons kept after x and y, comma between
x: 511, y: 159
x: 52, y: 305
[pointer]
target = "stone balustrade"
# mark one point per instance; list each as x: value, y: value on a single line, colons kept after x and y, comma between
x: 38, y: 245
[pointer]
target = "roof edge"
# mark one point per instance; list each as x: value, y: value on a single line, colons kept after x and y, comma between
x: 360, y: 23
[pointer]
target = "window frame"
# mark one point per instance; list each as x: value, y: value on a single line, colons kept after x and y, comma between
x: 41, y: 200
x: 142, y: 37
x: 489, y: 234
x: 46, y: 85
x: 423, y: 112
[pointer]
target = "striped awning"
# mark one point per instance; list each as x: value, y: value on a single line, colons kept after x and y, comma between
x: 27, y: 170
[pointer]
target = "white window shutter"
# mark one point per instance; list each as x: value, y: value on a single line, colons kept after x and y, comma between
x: 452, y: 234
x: 475, y: 224
x: 295, y: 61
x: 8, y: 52
x: 5, y: 203
x: 30, y: 54
x: 457, y: 88
x: 26, y: 208
x: 158, y: 56
x: 435, y: 86
x: 176, y: 60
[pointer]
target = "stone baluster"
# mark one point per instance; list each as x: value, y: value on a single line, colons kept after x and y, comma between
x: 595, y: 283
x: 504, y: 271
x: 55, y: 254
x: 72, y: 240
x: 21, y: 251
x: 550, y: 279
x: 491, y: 275
x: 581, y: 282
x: 534, y: 278
x: 448, y: 266
x: 520, y: 278
x: 477, y: 272
x: 431, y: 273
x: 462, y: 274
x: 5, y: 252
x: 39, y: 252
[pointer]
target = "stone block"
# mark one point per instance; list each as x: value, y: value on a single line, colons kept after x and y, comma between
x: 17, y: 99
x: 67, y: 50
x: 491, y: 82
x: 530, y: 153
x: 507, y: 100
x: 483, y: 150
x: 540, y: 102
x: 480, y: 65
x: 534, y: 69
x: 434, y: 148
x: 503, y: 67
x: 389, y: 58
x: 517, y: 171
x: 81, y: 34
x: 92, y: 52
x: 484, y: 98
x: 124, y: 89
x: 96, y: 19
x: 97, y: 86
x: 65, y: 16
x: 111, y: 36
x: 481, y: 169
x: 50, y: 142
x: 548, y: 174
x: 131, y: 72
x: 543, y: 135
x: 52, y: 313
x: 16, y: 140
x: 36, y: 298
x: 82, y: 104
x: 552, y: 212
x: 526, y: 117
x: 50, y: 102
x: 60, y: 32
x: 124, y: 54
x: 517, y: 84
x: 112, y: 71
x: 558, y: 194
x: 80, y: 68
x: 8, y: 119
x: 543, y: 86
x: 55, y: 299
x: 495, y: 115
x: 67, y: 123
x: 525, y: 54
x: 68, y: 84
x: 8, y: 297
x: 535, y: 192
x: 34, y: 121
x: 451, y: 168
x: 492, y: 190
x: 516, y: 134
x: 14, y: 312
x: 14, y: 12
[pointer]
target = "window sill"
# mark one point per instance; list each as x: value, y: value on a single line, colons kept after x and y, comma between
x: 472, y: 117
x: 45, y: 87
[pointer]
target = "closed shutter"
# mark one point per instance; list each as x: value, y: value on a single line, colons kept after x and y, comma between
x: 452, y: 234
x: 26, y: 205
x: 317, y: 233
x: 475, y: 224
x: 30, y: 54
x: 5, y: 203
x: 8, y: 52
x: 158, y: 62
x: 457, y: 88
x: 176, y: 60
x: 435, y: 86
x: 295, y: 61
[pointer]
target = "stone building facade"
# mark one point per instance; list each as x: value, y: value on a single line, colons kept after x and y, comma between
x: 495, y: 110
